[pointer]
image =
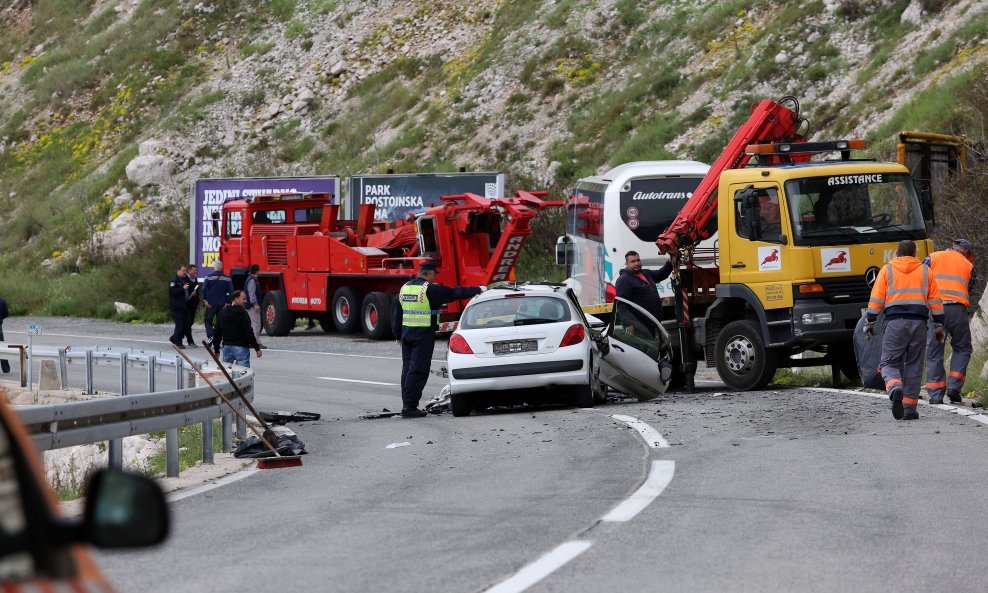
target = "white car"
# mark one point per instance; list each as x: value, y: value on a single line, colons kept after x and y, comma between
x: 530, y: 336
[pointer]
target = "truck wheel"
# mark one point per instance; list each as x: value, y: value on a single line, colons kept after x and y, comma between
x: 459, y: 403
x: 743, y: 361
x: 275, y: 316
x: 376, y: 316
x: 346, y: 310
x: 843, y: 355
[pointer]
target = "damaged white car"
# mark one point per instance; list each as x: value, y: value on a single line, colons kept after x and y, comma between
x: 531, y: 343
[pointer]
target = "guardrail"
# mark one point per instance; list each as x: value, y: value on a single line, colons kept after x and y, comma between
x: 54, y: 426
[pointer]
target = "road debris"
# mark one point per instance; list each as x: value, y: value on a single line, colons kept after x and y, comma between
x: 440, y: 403
x: 281, y: 418
x: 396, y: 445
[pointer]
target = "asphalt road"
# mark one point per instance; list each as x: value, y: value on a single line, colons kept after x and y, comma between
x: 778, y: 490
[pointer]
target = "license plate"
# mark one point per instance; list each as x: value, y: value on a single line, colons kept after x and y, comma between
x: 516, y: 346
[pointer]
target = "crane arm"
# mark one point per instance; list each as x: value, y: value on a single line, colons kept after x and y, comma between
x: 770, y: 121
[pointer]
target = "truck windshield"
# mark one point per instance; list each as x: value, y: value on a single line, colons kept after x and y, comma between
x: 865, y: 208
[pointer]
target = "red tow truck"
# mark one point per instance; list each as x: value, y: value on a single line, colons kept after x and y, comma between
x: 347, y: 273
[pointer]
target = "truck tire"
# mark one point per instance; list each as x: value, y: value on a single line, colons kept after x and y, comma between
x: 459, y: 404
x: 843, y: 355
x: 375, y: 317
x: 275, y: 316
x: 346, y: 310
x: 743, y: 361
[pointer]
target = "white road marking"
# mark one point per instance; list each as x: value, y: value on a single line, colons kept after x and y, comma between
x: 658, y: 479
x: 176, y: 496
x: 355, y: 381
x: 651, y: 436
x: 541, y: 568
x: 959, y: 410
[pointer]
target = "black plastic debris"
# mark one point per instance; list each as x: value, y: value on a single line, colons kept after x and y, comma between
x: 282, y: 418
x: 253, y: 448
x: 385, y: 413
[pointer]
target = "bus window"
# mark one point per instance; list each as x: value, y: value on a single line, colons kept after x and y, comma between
x: 649, y: 205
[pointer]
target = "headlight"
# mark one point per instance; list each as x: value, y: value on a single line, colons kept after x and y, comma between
x: 814, y: 318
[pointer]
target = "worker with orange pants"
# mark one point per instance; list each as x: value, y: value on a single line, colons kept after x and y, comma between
x: 953, y: 270
x: 907, y: 293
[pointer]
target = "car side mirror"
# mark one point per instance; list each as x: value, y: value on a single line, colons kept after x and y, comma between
x: 216, y: 223
x: 124, y: 510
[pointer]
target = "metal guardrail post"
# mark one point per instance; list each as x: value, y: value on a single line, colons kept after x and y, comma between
x: 115, y: 449
x: 227, y: 426
x: 241, y: 425
x: 63, y: 367
x: 179, y: 372
x: 207, y: 441
x: 152, y: 361
x: 89, y: 373
x: 171, y: 452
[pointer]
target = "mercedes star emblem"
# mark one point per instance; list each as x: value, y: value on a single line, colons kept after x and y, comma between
x: 870, y: 276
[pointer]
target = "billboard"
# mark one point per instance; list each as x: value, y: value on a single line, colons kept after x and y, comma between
x: 209, y: 194
x: 398, y: 195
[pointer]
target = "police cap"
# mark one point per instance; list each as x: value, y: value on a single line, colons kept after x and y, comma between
x: 964, y: 244
x: 427, y: 266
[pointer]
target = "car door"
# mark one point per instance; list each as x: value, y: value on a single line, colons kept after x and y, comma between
x: 638, y: 352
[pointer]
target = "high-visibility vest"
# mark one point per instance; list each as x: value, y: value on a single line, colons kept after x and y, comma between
x: 914, y: 288
x: 952, y: 272
x: 415, y: 308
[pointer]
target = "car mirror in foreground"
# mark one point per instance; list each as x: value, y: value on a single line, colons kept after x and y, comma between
x: 124, y: 510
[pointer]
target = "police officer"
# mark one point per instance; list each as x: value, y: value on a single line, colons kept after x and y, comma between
x: 953, y: 269
x: 638, y: 285
x: 178, y: 294
x: 908, y: 294
x: 191, y: 303
x: 216, y: 291
x: 415, y: 323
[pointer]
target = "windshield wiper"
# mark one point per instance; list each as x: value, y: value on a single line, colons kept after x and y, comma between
x: 898, y: 227
x: 856, y: 238
x: 533, y: 321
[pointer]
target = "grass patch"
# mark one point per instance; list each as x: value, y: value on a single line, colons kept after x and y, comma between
x: 189, y: 448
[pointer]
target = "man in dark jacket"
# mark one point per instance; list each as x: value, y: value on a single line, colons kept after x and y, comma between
x: 638, y: 285
x: 191, y: 303
x: 4, y: 365
x: 234, y: 333
x: 178, y: 294
x: 216, y: 291
x: 415, y: 321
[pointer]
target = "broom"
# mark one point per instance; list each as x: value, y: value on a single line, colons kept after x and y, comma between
x: 276, y: 462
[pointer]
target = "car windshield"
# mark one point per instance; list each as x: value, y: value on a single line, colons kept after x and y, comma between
x: 515, y: 310
x: 854, y: 209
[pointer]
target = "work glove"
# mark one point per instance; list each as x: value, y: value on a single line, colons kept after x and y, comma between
x: 869, y: 329
x: 939, y: 333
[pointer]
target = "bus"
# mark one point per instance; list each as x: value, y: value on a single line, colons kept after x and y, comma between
x: 625, y: 209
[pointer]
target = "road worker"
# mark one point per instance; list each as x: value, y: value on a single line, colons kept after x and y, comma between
x: 415, y: 323
x: 953, y: 270
x: 909, y: 295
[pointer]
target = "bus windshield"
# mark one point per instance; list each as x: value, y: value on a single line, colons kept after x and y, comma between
x: 862, y: 208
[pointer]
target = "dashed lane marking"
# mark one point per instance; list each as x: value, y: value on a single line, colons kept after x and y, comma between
x: 652, y: 437
x: 541, y: 568
x: 355, y: 381
x: 660, y: 477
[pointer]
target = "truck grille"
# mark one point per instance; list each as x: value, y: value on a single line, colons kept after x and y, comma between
x: 845, y: 290
x: 277, y: 251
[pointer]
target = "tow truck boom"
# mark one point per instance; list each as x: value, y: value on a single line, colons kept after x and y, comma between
x: 770, y: 122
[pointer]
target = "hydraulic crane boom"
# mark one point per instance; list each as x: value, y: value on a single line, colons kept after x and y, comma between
x: 770, y: 122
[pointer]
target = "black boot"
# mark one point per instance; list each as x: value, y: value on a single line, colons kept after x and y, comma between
x: 896, y: 397
x: 412, y: 413
x: 910, y: 414
x: 955, y: 397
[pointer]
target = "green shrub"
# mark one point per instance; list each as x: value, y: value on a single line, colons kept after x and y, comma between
x: 296, y: 29
x: 283, y: 9
x: 252, y: 49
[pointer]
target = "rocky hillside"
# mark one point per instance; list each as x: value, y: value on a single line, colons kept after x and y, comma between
x: 546, y: 91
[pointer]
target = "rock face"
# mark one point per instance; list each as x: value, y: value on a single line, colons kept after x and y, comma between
x: 979, y: 325
x: 118, y: 240
x: 123, y: 307
x: 150, y: 170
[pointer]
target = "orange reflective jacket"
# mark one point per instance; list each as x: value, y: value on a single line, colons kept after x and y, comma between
x: 952, y: 272
x: 904, y: 289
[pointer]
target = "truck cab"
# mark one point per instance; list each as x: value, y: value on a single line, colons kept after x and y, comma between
x: 801, y: 246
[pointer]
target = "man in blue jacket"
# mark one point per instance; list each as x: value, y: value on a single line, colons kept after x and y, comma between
x: 4, y: 365
x: 415, y: 322
x: 216, y: 291
x: 178, y: 294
